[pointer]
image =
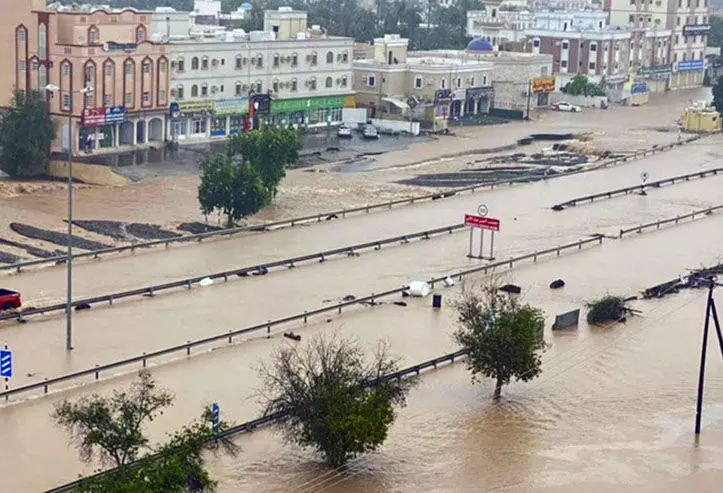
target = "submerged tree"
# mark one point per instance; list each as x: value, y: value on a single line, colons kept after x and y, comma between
x: 332, y: 398
x: 26, y: 133
x: 235, y: 189
x: 505, y: 338
x: 269, y: 151
x: 109, y: 430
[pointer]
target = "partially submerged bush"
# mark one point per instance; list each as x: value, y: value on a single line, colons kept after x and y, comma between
x: 607, y: 309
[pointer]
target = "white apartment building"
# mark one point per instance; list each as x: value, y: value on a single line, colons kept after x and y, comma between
x: 499, y: 25
x: 571, y: 21
x: 214, y: 78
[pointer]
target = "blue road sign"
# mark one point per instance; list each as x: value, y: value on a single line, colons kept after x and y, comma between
x: 6, y: 363
x: 216, y: 416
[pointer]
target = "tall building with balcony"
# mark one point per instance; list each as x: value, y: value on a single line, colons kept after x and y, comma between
x: 215, y: 78
x: 19, y: 37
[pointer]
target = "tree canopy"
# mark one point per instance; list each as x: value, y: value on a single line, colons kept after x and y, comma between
x: 718, y: 95
x: 505, y: 338
x: 269, y: 150
x: 236, y: 190
x: 109, y: 430
x: 579, y: 85
x: 333, y: 398
x: 26, y: 133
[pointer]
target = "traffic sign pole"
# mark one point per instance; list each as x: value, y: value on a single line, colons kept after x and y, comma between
x: 471, y: 240
x: 492, y: 246
x: 481, y: 242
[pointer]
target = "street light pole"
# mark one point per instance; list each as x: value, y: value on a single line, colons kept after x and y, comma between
x: 69, y: 260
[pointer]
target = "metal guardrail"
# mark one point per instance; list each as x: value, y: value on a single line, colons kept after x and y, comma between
x: 339, y: 213
x: 367, y: 300
x: 243, y: 271
x: 662, y: 222
x: 627, y: 190
x: 252, y: 425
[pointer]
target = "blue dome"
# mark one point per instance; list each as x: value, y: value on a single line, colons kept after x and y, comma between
x: 480, y: 44
x: 246, y: 6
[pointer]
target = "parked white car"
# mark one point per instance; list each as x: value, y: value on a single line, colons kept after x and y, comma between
x: 565, y: 106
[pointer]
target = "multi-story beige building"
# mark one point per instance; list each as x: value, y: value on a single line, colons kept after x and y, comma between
x: 98, y: 67
x: 390, y: 83
x: 684, y: 22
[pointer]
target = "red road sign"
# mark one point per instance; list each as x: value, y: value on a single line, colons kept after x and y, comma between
x: 482, y: 222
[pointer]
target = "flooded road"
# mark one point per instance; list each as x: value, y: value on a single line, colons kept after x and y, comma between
x: 613, y: 409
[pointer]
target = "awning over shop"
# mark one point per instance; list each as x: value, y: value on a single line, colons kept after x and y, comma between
x: 397, y: 102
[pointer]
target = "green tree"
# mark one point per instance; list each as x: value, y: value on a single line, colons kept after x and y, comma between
x: 505, y: 338
x: 269, y: 151
x: 333, y: 399
x: 235, y: 189
x: 110, y: 429
x: 26, y: 133
x: 718, y: 95
x: 581, y: 86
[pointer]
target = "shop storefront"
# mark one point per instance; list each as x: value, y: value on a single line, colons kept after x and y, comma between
x: 657, y: 77
x: 190, y: 119
x: 479, y: 100
x: 690, y: 73
x: 307, y: 112
x: 99, y: 128
x: 229, y: 117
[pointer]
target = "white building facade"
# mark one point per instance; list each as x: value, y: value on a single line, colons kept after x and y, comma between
x: 498, y: 25
x: 214, y: 81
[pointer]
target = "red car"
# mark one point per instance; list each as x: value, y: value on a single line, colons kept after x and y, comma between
x: 9, y: 300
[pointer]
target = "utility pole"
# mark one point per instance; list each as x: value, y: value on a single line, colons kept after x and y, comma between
x: 710, y: 311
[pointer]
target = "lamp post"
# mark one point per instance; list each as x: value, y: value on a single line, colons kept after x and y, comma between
x: 51, y: 88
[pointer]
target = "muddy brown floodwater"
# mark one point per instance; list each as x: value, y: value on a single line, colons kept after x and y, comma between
x: 612, y: 412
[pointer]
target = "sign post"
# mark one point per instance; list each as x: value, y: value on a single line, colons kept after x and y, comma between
x: 216, y: 417
x: 481, y: 222
x: 6, y: 365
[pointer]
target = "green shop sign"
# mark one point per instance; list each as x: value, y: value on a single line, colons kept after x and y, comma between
x: 195, y: 107
x: 306, y: 104
x: 237, y: 106
x: 656, y: 70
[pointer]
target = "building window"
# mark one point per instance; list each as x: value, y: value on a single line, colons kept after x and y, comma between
x: 314, y: 58
x: 593, y: 47
x: 239, y: 62
x: 371, y: 81
x: 21, y: 34
x: 294, y: 59
x: 312, y: 84
x: 179, y: 92
x: 93, y: 35
x: 129, y: 68
x: 34, y: 65
x: 631, y: 18
x: 204, y: 90
x: 536, y: 43
x: 66, y: 70
x: 329, y: 57
x: 21, y: 65
x: 459, y: 82
x: 344, y: 81
x: 443, y: 84
x: 204, y: 63
x: 294, y: 85
x: 181, y: 65
x: 259, y: 61
x: 129, y: 99
x: 108, y: 69
x: 42, y: 41
x: 591, y: 66
x: 140, y: 34
x: 259, y: 87
x: 194, y: 63
x: 563, y: 64
x: 345, y: 57
x: 237, y: 89
x: 107, y: 100
x: 329, y: 82
x: 66, y: 100
x: 276, y: 59
x: 162, y: 66
x: 161, y: 97
x: 194, y: 91
x: 484, y: 80
x: 146, y: 97
x: 565, y: 45
x: 275, y: 86
x: 146, y: 67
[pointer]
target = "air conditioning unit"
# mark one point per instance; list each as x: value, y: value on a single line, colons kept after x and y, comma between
x: 308, y: 58
x: 174, y: 92
x: 214, y: 62
x: 214, y: 89
x: 245, y: 60
x: 338, y: 81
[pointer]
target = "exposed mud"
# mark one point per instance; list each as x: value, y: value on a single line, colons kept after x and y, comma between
x: 196, y: 228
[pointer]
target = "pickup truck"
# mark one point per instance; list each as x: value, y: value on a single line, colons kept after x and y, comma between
x: 9, y: 300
